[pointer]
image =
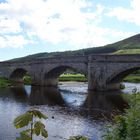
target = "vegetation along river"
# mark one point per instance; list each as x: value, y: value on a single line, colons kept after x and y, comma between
x: 71, y: 110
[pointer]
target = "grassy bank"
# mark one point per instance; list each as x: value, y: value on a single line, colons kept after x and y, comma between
x: 82, y: 78
x: 4, y: 82
x: 73, y: 77
x: 132, y: 79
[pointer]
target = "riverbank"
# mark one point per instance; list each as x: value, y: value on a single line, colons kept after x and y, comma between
x: 132, y: 79
x: 73, y: 77
x: 66, y: 77
x: 4, y: 82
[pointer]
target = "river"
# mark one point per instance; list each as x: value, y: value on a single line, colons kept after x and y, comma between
x: 71, y: 110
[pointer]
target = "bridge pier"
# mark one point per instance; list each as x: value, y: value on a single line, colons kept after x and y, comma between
x: 51, y: 82
x: 97, y: 85
x: 98, y: 73
x: 41, y: 80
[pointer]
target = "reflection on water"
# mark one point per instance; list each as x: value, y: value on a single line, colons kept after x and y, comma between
x: 104, y: 105
x: 43, y: 95
x: 72, y: 109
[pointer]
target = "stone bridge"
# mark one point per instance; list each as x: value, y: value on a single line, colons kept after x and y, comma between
x: 104, y: 72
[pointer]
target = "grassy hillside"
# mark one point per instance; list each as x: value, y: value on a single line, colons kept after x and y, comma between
x: 128, y: 51
x: 130, y: 45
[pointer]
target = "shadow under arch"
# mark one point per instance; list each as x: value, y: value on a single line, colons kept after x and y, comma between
x: 18, y: 74
x: 115, y: 79
x: 51, y: 77
x: 104, y: 104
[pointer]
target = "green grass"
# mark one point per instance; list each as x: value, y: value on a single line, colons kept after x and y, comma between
x: 132, y: 79
x: 4, y: 82
x: 128, y: 51
x: 72, y: 77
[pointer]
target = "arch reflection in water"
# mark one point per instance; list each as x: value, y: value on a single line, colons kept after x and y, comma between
x: 19, y: 93
x: 45, y: 95
x: 104, y: 104
x: 96, y: 105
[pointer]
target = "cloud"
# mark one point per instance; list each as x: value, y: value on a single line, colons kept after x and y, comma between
x: 13, y: 41
x: 127, y: 14
x: 76, y: 22
x: 9, y: 26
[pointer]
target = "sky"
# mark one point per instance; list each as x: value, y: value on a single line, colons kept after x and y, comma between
x: 34, y: 26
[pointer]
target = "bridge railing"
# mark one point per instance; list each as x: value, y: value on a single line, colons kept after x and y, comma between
x: 114, y: 58
x: 57, y: 59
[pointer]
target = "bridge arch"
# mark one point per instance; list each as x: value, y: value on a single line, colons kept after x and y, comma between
x: 117, y: 77
x: 51, y: 76
x: 17, y: 74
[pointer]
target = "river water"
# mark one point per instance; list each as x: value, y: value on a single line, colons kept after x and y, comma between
x: 71, y: 110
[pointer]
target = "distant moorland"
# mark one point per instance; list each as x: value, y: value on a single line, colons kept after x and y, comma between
x: 130, y: 45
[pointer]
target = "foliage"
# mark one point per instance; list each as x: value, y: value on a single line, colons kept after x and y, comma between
x: 4, y: 82
x: 27, y: 80
x: 36, y: 127
x: 127, y: 126
x: 78, y: 138
x: 122, y: 86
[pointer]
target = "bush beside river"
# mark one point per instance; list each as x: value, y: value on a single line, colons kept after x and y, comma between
x: 126, y: 126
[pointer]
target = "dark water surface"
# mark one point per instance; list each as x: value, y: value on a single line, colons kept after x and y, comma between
x: 71, y: 110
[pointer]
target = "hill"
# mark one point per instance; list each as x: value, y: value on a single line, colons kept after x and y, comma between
x: 130, y: 45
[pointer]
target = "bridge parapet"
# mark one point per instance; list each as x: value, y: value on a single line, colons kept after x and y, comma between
x: 67, y: 59
x: 114, y: 58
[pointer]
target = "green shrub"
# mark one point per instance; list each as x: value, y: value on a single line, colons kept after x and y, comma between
x: 27, y: 80
x: 127, y: 126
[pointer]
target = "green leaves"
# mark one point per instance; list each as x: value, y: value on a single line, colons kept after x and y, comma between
x: 37, y: 128
x: 127, y: 126
x: 24, y: 136
x: 37, y: 114
x: 23, y: 120
x: 78, y: 138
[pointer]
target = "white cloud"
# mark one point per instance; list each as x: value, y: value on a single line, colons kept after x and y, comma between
x: 73, y: 21
x: 9, y: 26
x: 13, y: 41
x: 125, y: 14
